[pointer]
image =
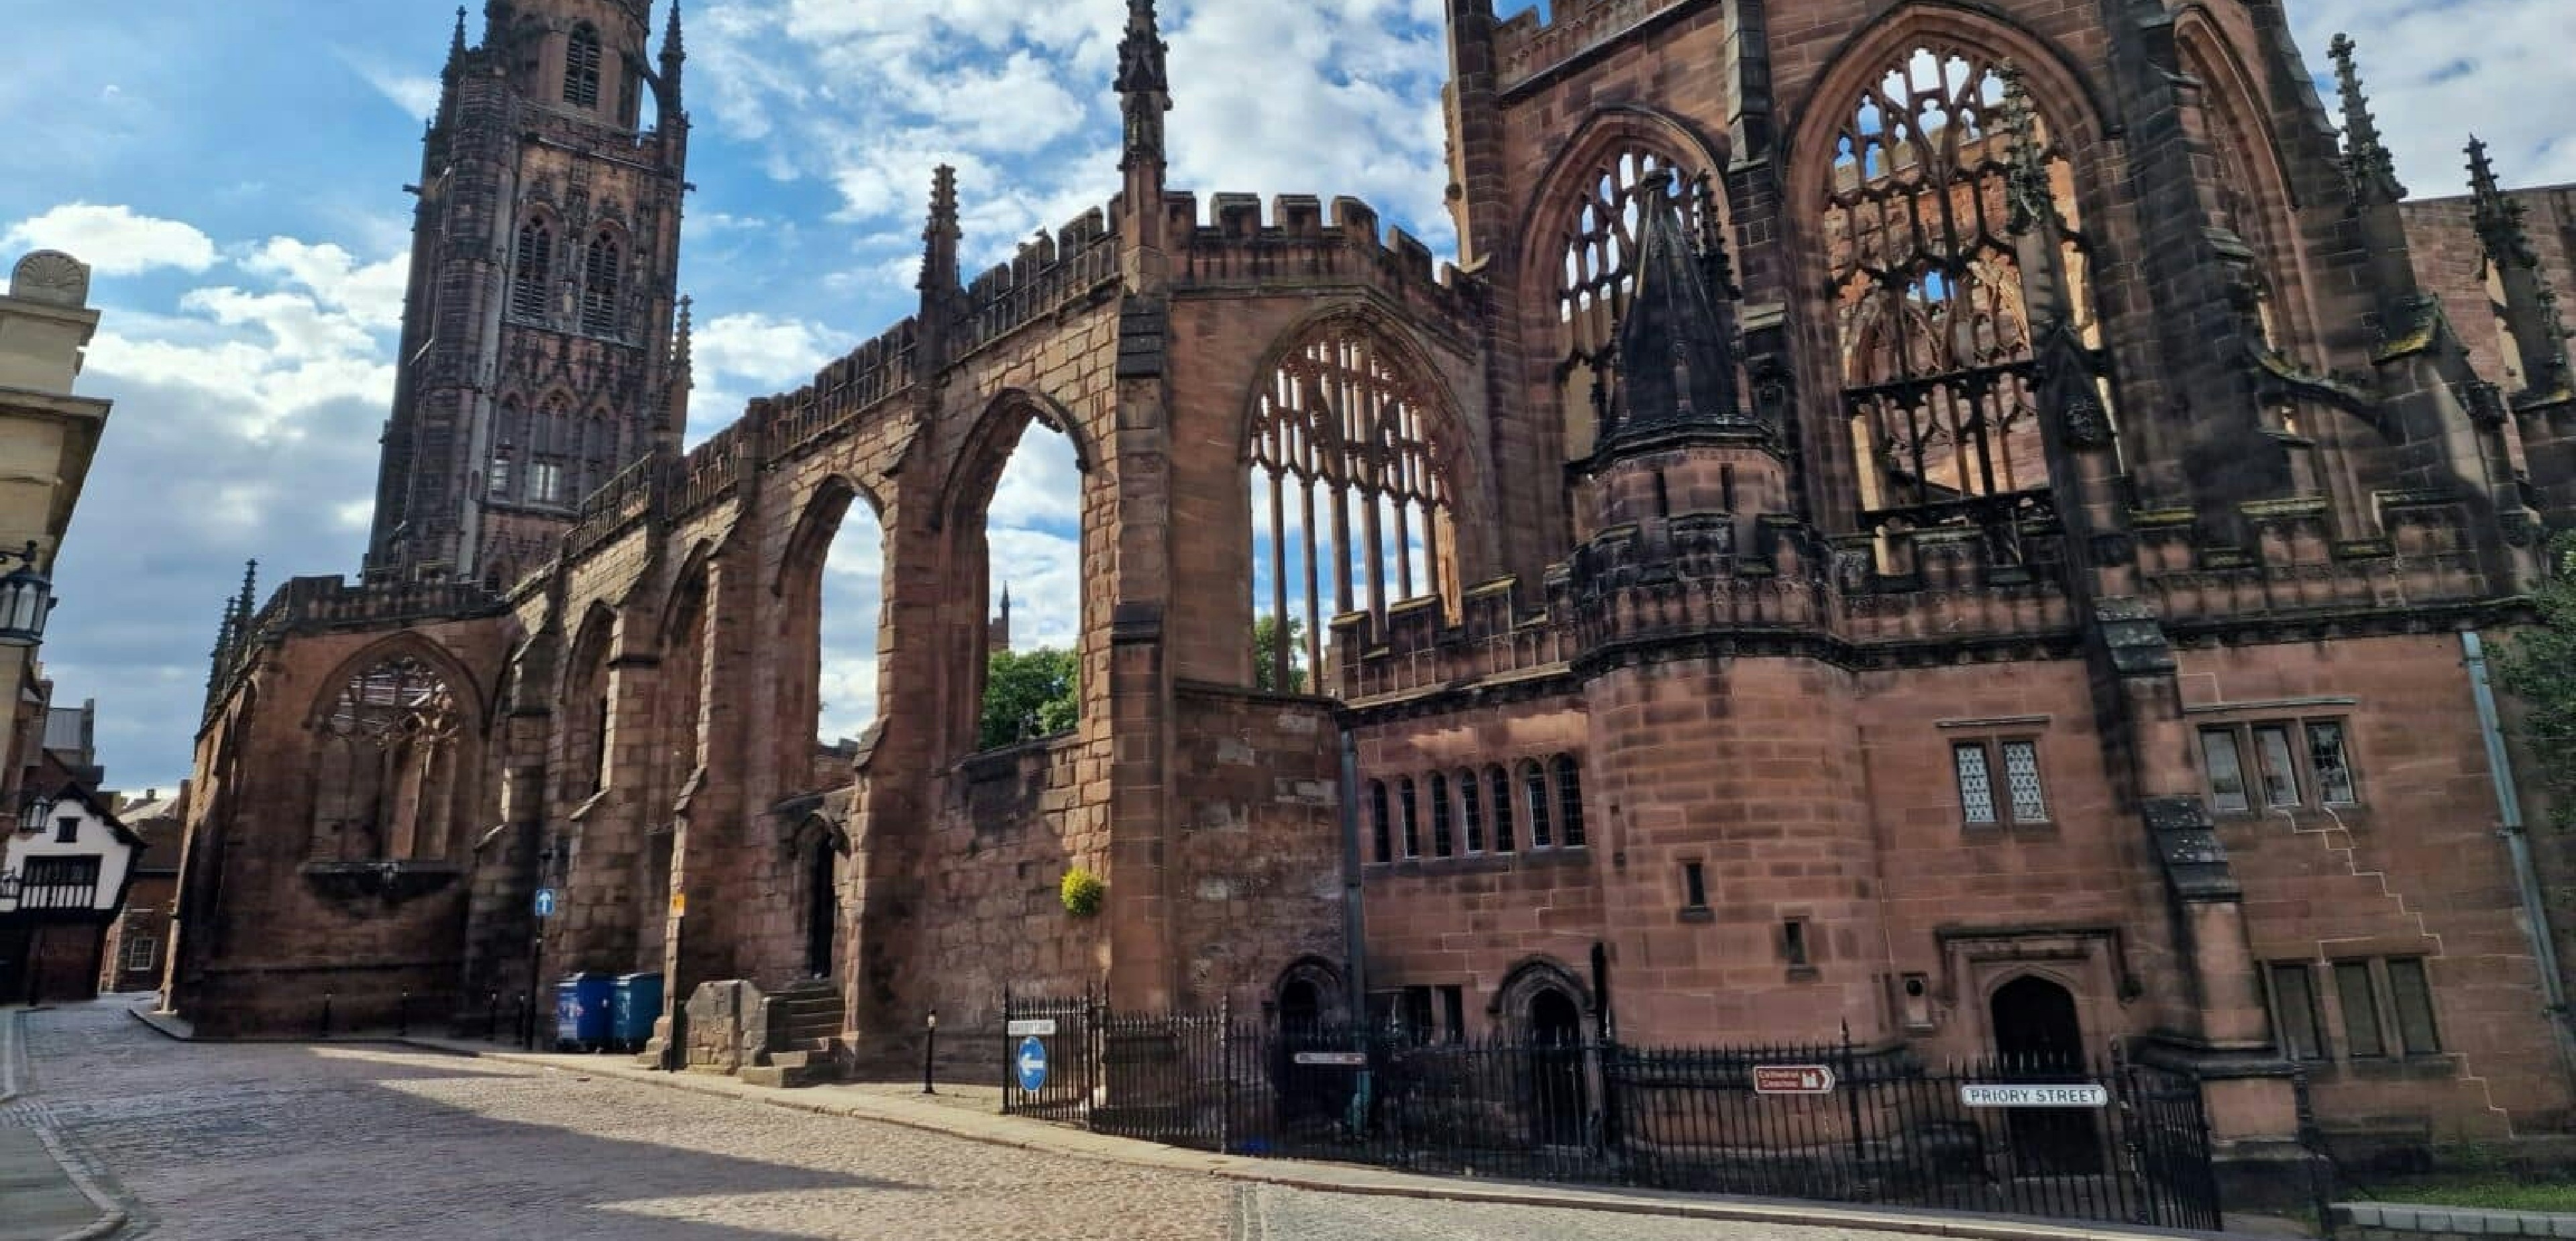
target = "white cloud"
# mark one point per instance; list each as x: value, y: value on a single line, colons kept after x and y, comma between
x: 779, y: 353
x: 415, y: 93
x: 113, y: 240
x: 2437, y: 72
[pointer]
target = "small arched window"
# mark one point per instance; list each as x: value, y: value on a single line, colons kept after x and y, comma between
x: 581, y: 67
x: 1443, y: 843
x: 1534, y: 798
x: 1412, y: 823
x: 1467, y: 805
x: 599, y: 280
x: 1379, y: 836
x: 384, y: 782
x: 1569, y: 801
x: 532, y: 271
x: 1502, y: 789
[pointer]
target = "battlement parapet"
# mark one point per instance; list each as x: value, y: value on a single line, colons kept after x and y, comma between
x: 846, y: 389
x: 635, y: 494
x: 1526, y: 46
x: 1299, y: 240
x: 2428, y: 553
x: 1047, y: 274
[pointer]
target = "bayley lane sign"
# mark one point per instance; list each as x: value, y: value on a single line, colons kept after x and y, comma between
x: 1792, y: 1079
x: 2084, y: 1094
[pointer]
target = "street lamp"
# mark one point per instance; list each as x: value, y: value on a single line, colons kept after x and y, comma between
x: 26, y: 597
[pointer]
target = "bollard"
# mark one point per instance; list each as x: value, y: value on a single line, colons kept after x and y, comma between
x: 929, y: 1049
x: 402, y: 1015
x: 527, y: 1036
x: 492, y: 1018
x: 326, y: 1014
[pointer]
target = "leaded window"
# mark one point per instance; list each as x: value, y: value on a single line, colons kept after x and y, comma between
x: 1412, y: 821
x: 2021, y: 777
x: 1470, y: 811
x: 1598, y: 274
x: 1381, y: 839
x: 1534, y: 796
x: 1442, y: 842
x: 1351, y: 490
x: 1976, y: 783
x: 1501, y: 785
x: 1936, y: 344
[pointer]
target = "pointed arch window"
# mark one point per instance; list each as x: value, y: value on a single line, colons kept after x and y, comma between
x: 1598, y: 271
x: 581, y: 67
x: 1351, y: 491
x: 599, y: 282
x: 532, y: 269
x: 1936, y: 346
x: 384, y: 782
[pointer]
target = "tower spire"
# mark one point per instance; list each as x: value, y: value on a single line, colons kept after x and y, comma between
x: 675, y: 413
x: 1144, y: 86
x: 940, y: 234
x: 674, y: 53
x: 2367, y: 163
x: 2530, y: 305
x: 456, y: 47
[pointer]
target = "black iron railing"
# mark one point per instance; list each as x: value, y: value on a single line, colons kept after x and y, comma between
x: 2103, y: 1140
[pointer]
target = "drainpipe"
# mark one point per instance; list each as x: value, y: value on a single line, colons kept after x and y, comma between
x: 2517, y: 841
x: 1354, y: 925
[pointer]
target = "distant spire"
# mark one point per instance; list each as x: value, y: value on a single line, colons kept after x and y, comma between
x: 249, y: 590
x: 674, y: 52
x: 940, y: 234
x: 683, y: 375
x: 1675, y: 361
x: 2367, y: 163
x: 2530, y: 304
x: 456, y: 46
x: 1144, y: 84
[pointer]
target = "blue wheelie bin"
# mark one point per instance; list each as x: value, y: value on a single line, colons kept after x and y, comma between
x: 638, y: 1005
x: 582, y: 1012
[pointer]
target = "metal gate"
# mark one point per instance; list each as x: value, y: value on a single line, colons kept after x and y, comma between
x: 2108, y: 1140
x: 1064, y: 1036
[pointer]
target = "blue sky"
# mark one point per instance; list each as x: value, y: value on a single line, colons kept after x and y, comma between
x: 234, y: 171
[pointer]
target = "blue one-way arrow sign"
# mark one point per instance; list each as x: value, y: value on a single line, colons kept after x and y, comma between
x: 1032, y: 1065
x: 545, y: 902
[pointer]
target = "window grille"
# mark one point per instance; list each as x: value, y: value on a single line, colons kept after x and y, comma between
x: 1502, y: 789
x: 1569, y: 800
x: 600, y: 275
x: 581, y: 67
x: 1412, y: 823
x: 532, y: 272
x: 2021, y: 777
x: 1468, y: 806
x: 1534, y: 795
x: 1442, y: 842
x: 1976, y: 783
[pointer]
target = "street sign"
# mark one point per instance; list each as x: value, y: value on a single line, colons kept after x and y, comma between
x: 2082, y: 1095
x: 1032, y: 1065
x: 1340, y: 1059
x: 545, y: 902
x: 1792, y: 1079
x: 1033, y: 1025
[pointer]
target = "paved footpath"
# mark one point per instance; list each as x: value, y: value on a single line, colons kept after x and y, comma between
x: 278, y: 1141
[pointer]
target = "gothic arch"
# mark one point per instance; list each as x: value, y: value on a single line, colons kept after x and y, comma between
x: 1510, y: 1006
x: 1933, y: 426
x: 1578, y: 244
x: 1343, y: 372
x: 800, y: 617
x: 988, y: 446
x: 476, y: 705
x: 688, y: 590
x: 2253, y: 183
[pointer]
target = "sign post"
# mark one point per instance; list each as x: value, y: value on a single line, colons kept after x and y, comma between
x: 1031, y: 1064
x: 2077, y: 1094
x: 1793, y: 1079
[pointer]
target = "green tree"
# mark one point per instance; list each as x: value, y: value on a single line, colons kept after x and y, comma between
x: 1265, y: 655
x: 2539, y: 667
x: 1028, y: 695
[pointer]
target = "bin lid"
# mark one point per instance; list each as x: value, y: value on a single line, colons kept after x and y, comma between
x: 587, y: 976
x: 635, y: 978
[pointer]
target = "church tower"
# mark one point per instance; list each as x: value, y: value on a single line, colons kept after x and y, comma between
x: 537, y: 349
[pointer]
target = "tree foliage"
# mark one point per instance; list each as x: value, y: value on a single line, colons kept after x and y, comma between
x: 1028, y: 695
x: 2539, y: 667
x: 1266, y: 636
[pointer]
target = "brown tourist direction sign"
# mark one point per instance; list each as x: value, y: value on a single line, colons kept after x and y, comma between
x: 1792, y: 1079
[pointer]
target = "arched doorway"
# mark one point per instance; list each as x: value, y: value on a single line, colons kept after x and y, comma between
x: 822, y: 908
x: 2038, y: 1037
x: 1558, y: 1101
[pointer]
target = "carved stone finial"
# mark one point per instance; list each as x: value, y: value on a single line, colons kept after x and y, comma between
x: 51, y: 276
x: 1144, y: 84
x: 2034, y: 201
x: 2367, y: 163
x: 940, y: 235
x: 2531, y: 305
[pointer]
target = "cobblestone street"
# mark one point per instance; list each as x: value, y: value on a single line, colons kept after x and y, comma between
x: 284, y: 1141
